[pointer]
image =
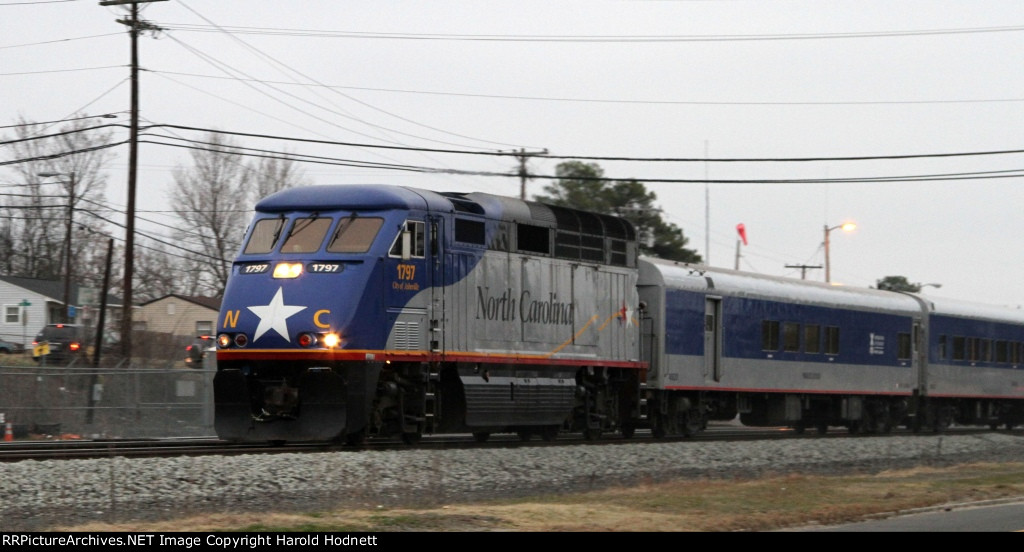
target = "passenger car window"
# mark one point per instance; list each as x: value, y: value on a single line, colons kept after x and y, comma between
x: 812, y: 338
x: 770, y: 335
x: 791, y: 336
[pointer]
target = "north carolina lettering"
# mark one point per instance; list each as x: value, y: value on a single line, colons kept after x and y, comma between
x: 504, y: 307
x: 489, y: 307
x: 551, y: 311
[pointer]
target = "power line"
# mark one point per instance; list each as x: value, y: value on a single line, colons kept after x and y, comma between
x: 28, y: 124
x: 241, y: 151
x: 607, y: 100
x: 582, y: 38
x: 58, y: 40
x: 513, y: 153
x: 289, y: 69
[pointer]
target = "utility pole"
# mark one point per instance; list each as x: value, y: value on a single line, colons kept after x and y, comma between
x: 134, y: 28
x: 707, y: 210
x: 523, y: 174
x: 803, y: 269
x: 94, y: 379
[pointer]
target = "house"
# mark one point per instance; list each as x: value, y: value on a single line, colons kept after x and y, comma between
x: 29, y: 304
x: 186, y: 316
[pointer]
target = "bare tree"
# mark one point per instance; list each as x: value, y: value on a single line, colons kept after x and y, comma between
x: 35, y: 235
x: 273, y: 174
x: 159, y: 272
x: 212, y: 198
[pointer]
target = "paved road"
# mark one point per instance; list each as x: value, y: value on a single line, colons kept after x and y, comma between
x: 991, y: 516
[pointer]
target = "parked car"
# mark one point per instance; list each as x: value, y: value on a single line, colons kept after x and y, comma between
x: 9, y: 347
x: 196, y: 351
x: 67, y: 342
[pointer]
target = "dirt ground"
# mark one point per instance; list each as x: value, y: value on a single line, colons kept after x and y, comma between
x: 761, y: 504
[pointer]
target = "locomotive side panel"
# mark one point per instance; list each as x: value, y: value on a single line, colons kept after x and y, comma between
x: 546, y: 309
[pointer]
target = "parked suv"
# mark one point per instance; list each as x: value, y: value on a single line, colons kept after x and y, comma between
x: 67, y: 342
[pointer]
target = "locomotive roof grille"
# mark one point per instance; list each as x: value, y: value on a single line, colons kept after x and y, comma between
x: 540, y: 212
x: 584, y: 222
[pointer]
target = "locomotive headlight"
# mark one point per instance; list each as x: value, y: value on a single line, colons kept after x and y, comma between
x: 331, y: 340
x: 287, y: 270
x: 223, y: 341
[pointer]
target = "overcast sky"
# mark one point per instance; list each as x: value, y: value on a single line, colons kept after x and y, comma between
x: 732, y: 90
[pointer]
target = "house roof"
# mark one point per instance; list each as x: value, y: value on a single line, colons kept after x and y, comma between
x: 53, y: 289
x: 212, y: 303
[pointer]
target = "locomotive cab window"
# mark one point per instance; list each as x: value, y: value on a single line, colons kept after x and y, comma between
x: 306, y: 235
x: 410, y: 241
x: 264, y: 236
x: 354, y: 234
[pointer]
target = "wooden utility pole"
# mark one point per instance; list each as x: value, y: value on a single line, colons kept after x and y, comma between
x: 135, y: 27
x: 803, y: 269
x: 523, y: 174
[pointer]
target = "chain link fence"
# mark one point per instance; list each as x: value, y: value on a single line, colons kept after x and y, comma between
x: 121, y: 402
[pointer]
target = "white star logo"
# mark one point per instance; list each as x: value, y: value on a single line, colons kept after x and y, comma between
x: 275, y: 316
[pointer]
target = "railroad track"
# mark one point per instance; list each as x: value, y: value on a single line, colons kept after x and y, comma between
x: 83, y: 449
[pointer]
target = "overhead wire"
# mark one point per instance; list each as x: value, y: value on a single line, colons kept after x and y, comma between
x: 285, y: 68
x: 238, y: 150
x: 589, y: 38
x: 616, y: 101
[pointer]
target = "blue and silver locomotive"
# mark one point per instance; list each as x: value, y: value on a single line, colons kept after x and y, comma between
x: 357, y: 311
x: 379, y: 311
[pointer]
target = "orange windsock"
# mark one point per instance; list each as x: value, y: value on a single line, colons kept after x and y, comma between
x: 743, y: 232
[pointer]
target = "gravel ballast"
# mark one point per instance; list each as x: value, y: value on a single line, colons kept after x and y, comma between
x: 40, y: 495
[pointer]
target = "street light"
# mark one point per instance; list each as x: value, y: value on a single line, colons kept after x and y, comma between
x: 67, y: 241
x: 936, y: 286
x: 846, y: 226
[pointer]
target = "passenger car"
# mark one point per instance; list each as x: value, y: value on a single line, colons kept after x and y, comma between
x: 8, y: 347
